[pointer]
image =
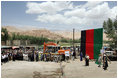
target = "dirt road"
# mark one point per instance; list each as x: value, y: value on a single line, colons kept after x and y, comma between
x: 73, y: 69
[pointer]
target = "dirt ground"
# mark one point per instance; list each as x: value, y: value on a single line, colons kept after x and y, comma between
x: 71, y: 69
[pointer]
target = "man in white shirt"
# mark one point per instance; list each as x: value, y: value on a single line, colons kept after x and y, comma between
x: 102, y: 51
x: 2, y: 57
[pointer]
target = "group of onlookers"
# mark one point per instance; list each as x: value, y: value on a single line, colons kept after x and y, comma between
x: 35, y: 55
x: 8, y: 55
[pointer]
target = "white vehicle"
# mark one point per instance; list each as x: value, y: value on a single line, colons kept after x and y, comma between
x: 109, y: 53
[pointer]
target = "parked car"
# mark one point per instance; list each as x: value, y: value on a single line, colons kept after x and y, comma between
x: 111, y: 55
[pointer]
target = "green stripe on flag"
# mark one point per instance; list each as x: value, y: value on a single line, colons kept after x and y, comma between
x: 98, y: 41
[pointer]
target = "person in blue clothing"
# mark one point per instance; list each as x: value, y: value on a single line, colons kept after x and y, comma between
x: 81, y: 55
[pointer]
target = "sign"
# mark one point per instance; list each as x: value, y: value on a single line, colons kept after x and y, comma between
x: 67, y: 53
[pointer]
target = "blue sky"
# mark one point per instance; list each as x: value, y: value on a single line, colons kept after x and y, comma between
x: 50, y: 15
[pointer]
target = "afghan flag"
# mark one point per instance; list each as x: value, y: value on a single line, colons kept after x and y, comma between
x: 91, y: 42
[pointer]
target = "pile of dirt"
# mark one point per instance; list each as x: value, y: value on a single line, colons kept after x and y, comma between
x: 47, y: 74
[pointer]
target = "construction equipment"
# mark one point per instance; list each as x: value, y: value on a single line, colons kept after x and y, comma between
x: 52, y: 51
x: 51, y: 44
x: 54, y: 46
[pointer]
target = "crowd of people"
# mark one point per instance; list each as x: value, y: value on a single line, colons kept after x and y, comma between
x: 33, y: 55
x: 36, y: 55
x: 9, y: 54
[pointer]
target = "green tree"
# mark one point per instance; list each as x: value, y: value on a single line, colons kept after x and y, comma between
x: 4, y: 35
x: 77, y: 40
x: 110, y: 29
x: 32, y: 39
x: 64, y: 40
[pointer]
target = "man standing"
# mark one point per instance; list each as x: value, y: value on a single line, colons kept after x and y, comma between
x: 37, y: 56
x: 86, y: 60
x: 81, y: 55
x: 10, y: 55
x: 99, y: 60
x: 73, y: 56
x: 14, y: 57
x: 3, y: 57
x: 105, y: 62
x: 67, y: 55
x: 102, y: 51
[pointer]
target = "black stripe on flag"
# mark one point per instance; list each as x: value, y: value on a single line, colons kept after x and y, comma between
x: 83, y: 42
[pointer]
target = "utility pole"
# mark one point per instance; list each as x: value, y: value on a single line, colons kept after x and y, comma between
x: 73, y: 41
x: 73, y: 37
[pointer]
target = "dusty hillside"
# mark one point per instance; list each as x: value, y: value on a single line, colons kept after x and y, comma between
x: 42, y: 32
x: 46, y: 33
x: 34, y: 32
x: 69, y: 35
x: 12, y: 29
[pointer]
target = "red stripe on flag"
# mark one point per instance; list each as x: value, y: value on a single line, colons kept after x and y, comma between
x: 90, y: 43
